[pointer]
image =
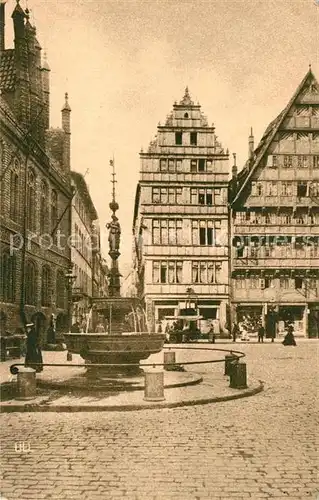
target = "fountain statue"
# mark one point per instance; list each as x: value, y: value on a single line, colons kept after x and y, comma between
x: 127, y: 339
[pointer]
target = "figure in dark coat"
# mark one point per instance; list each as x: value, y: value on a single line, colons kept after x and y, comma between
x: 261, y: 333
x: 33, y: 354
x: 235, y: 332
x: 289, y: 337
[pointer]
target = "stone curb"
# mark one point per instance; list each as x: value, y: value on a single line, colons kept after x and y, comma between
x: 42, y: 384
x: 27, y: 408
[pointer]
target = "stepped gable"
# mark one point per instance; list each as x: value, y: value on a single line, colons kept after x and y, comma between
x: 307, y: 87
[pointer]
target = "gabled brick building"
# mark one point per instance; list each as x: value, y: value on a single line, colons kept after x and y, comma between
x: 275, y: 222
x: 35, y: 186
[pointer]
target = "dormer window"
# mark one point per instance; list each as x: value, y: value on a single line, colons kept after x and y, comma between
x: 178, y: 138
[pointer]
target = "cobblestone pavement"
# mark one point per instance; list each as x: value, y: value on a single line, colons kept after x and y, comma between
x: 255, y: 448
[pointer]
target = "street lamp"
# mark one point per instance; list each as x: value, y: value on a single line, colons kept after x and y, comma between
x: 70, y: 277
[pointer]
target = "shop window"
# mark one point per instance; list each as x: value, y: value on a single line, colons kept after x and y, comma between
x: 298, y: 283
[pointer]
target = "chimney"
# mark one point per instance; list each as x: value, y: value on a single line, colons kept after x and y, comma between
x: 251, y: 144
x: 22, y: 95
x: 234, y: 168
x: 2, y: 25
x: 66, y: 126
x: 45, y: 78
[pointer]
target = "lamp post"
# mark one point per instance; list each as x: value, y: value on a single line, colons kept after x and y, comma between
x: 70, y: 277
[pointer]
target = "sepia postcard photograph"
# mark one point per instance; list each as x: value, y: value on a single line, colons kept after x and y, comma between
x: 159, y: 249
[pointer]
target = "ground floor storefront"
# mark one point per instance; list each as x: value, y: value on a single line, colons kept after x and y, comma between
x: 162, y: 311
x: 276, y: 317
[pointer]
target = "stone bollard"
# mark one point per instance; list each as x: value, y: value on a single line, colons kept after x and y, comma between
x: 229, y: 358
x: 26, y: 383
x: 154, y: 386
x: 238, y: 376
x: 169, y: 358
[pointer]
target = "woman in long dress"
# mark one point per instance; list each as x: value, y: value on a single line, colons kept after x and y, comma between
x: 289, y: 337
x: 33, y: 357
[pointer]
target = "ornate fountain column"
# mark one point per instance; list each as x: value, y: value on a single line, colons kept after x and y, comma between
x: 114, y: 242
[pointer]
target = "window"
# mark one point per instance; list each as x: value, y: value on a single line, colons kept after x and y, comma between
x: 31, y: 201
x: 301, y: 189
x: 256, y: 189
x: 61, y: 288
x: 54, y: 210
x: 167, y: 271
x: 287, y: 161
x: 185, y: 115
x: 163, y: 165
x: 167, y: 232
x: 179, y: 166
x: 316, y: 162
x: 178, y: 138
x: 8, y: 277
x: 30, y: 283
x: 201, y: 165
x: 201, y: 196
x: 286, y: 189
x: 272, y: 189
x: 46, y: 286
x: 193, y: 166
x: 284, y: 283
x: 298, y: 283
x: 171, y: 165
x: 156, y: 197
x: 14, y: 191
x: 193, y: 139
x: 205, y: 272
x: 167, y: 195
x: 206, y: 232
x: 43, y: 206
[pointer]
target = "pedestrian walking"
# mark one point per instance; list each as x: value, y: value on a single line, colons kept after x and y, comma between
x: 289, y: 337
x: 261, y: 334
x: 235, y: 332
x: 211, y: 334
x: 33, y: 357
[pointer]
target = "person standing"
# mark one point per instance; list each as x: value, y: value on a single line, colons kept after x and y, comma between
x: 289, y: 337
x: 261, y: 334
x: 33, y: 357
x: 235, y: 332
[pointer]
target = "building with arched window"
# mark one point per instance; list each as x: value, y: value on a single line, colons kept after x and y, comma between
x: 36, y: 194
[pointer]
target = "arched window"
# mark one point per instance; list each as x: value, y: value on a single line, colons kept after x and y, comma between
x: 30, y: 283
x: 46, y: 286
x: 43, y: 207
x: 54, y: 211
x: 31, y: 201
x: 8, y: 277
x: 14, y: 190
x: 60, y: 289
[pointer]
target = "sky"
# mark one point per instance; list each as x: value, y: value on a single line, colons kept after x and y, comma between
x: 125, y: 62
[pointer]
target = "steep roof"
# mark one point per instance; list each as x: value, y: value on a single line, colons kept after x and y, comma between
x: 7, y: 71
x: 269, y: 134
x: 84, y: 193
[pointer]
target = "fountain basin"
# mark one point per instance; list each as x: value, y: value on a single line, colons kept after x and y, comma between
x: 100, y: 348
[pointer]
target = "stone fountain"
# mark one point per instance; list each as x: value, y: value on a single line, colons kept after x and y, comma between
x: 127, y: 339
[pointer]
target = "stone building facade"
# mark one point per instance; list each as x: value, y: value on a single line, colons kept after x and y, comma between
x: 275, y: 222
x: 35, y: 186
x: 89, y: 268
x: 181, y: 219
